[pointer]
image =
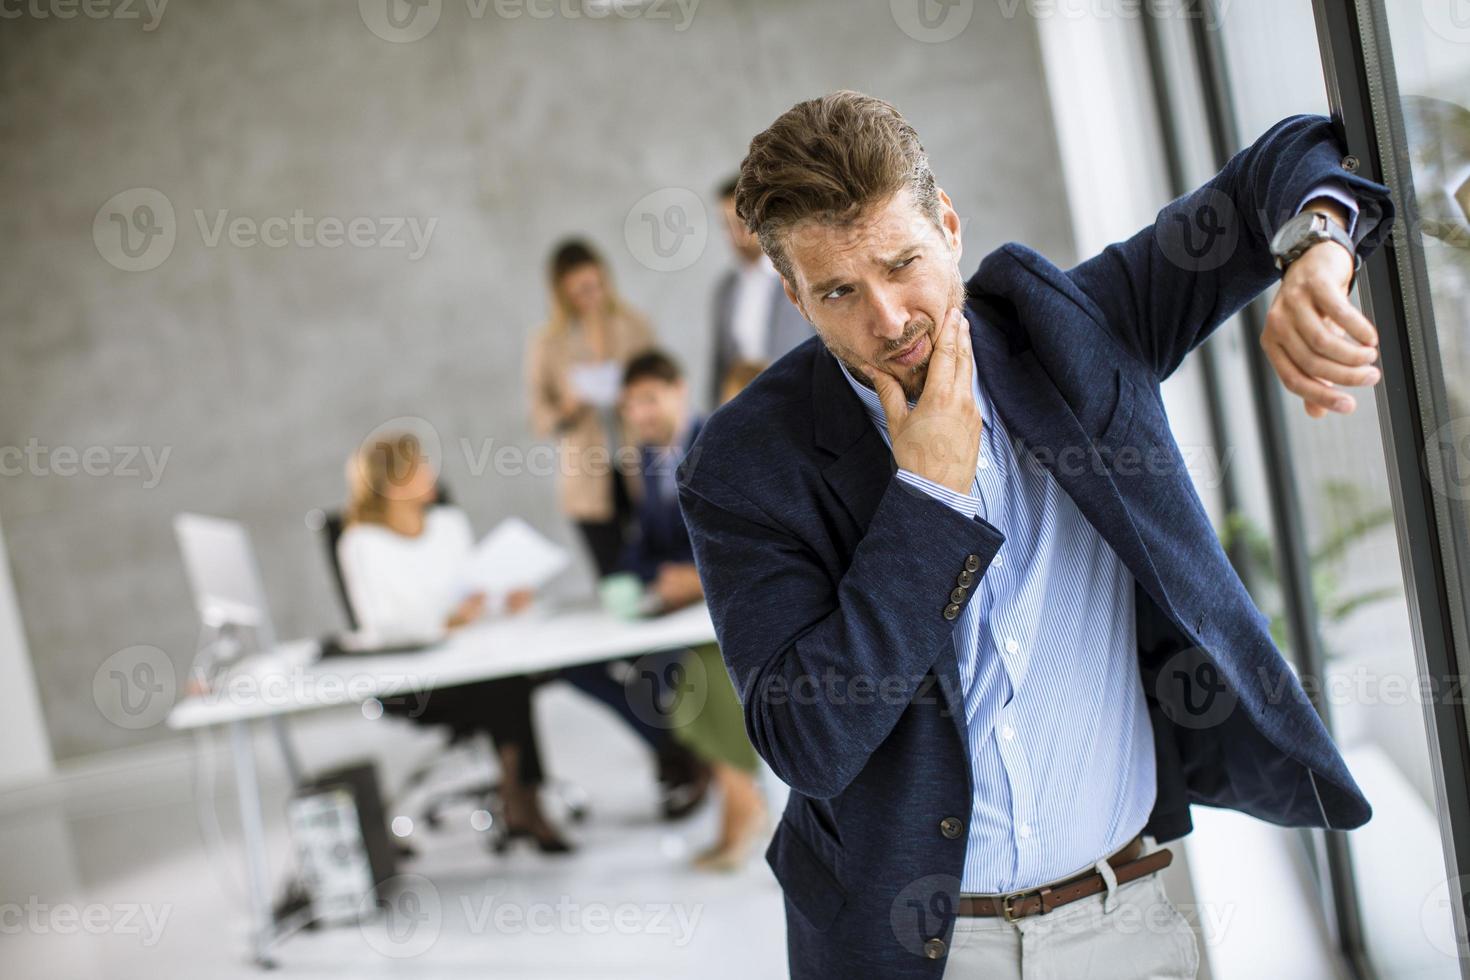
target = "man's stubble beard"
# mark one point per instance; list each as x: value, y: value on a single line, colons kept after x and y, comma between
x: 912, y: 382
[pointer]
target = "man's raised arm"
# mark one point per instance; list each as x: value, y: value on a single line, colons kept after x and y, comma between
x: 1208, y: 253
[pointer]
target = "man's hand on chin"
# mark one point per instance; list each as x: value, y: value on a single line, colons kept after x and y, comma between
x: 1316, y: 340
x: 939, y: 438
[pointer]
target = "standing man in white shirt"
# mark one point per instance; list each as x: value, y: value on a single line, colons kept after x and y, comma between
x: 754, y: 322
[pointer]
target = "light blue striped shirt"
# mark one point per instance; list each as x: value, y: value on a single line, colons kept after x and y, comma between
x: 1061, y: 748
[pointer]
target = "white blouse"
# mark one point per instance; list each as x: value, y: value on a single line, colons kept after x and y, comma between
x: 405, y: 588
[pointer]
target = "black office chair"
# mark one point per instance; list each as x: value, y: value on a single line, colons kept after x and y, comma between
x: 464, y: 730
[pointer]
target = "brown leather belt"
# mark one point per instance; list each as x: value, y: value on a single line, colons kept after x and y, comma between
x: 1126, y: 865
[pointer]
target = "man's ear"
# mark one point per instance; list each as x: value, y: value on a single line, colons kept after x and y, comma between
x: 795, y: 300
x: 949, y: 219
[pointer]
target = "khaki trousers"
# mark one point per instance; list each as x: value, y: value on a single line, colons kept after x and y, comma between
x: 1128, y: 932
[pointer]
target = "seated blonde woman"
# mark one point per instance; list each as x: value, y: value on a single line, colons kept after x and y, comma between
x: 401, y: 556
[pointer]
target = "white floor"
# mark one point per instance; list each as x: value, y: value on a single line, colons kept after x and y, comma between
x: 130, y: 869
x: 112, y: 874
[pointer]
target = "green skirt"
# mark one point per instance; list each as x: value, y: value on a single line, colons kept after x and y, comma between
x: 708, y: 718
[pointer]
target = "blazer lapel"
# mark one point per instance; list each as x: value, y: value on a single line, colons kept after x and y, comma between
x: 862, y: 464
x: 859, y: 475
x: 1040, y: 421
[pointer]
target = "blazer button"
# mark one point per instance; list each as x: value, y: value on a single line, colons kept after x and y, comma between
x: 966, y: 580
x: 972, y: 563
x: 951, y: 827
x: 934, y: 949
x: 952, y: 611
x: 959, y: 595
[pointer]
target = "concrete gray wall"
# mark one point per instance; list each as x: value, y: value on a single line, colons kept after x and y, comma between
x: 256, y: 369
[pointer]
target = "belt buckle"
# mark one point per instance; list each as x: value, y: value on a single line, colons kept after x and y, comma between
x: 1005, y: 906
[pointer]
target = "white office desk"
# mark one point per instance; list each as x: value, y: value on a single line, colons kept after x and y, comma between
x: 290, y: 679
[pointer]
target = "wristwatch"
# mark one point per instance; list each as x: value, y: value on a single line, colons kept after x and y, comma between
x: 1310, y: 228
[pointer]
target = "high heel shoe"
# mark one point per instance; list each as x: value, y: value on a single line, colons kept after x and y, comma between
x: 547, y: 842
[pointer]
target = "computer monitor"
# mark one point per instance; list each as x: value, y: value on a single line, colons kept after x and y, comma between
x: 222, y: 573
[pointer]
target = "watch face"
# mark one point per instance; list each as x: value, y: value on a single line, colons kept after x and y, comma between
x: 1300, y: 231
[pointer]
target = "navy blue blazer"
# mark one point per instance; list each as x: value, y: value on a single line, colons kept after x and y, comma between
x: 827, y: 577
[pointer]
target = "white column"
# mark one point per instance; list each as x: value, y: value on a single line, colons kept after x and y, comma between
x: 25, y: 751
x: 1114, y: 168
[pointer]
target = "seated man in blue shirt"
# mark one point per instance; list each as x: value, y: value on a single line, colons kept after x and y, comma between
x: 656, y: 412
x: 699, y: 700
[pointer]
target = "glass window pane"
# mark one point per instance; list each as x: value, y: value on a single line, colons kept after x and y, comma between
x: 1369, y: 675
x: 1431, y: 58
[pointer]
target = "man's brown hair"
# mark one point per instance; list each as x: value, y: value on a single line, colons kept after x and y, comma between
x: 828, y: 159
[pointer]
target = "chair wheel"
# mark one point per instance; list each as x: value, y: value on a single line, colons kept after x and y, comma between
x: 578, y: 814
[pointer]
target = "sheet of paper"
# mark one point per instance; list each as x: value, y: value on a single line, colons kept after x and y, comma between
x: 513, y: 556
x: 596, y: 384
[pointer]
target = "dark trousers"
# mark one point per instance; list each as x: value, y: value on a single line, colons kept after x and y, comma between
x: 500, y: 708
x: 605, y: 541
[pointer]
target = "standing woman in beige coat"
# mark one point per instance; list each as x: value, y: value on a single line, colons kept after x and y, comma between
x: 575, y: 369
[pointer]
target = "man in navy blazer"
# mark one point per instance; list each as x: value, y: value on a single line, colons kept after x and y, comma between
x: 978, y: 618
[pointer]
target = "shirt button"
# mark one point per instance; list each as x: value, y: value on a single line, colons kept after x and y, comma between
x: 1008, y: 733
x: 1024, y: 830
x: 997, y: 561
x: 983, y: 463
x: 1012, y: 646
